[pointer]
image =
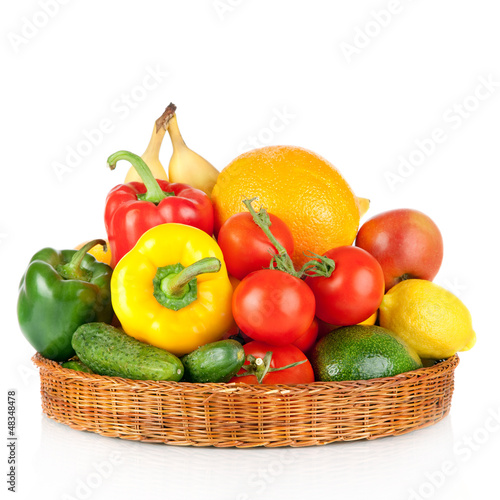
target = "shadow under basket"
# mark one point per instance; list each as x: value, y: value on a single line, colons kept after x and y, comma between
x: 244, y: 416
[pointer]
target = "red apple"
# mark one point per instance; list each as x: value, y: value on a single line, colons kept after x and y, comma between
x: 406, y: 243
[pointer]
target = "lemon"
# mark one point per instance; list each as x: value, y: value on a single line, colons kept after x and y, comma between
x: 428, y: 318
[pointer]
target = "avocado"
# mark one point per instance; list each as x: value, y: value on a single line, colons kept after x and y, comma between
x: 361, y: 352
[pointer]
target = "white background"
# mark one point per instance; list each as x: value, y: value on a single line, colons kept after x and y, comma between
x: 362, y: 101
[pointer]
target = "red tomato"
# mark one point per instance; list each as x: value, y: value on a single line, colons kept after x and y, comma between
x: 231, y: 332
x: 273, y: 306
x: 282, y: 356
x: 245, y: 246
x: 324, y: 328
x: 306, y: 341
x: 354, y: 290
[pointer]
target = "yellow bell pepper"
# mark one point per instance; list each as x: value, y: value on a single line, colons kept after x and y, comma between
x: 172, y: 289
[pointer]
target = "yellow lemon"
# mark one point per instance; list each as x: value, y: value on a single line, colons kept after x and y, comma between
x: 370, y: 320
x: 428, y: 318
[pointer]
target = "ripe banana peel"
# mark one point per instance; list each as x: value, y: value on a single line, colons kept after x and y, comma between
x: 152, y: 154
x: 186, y: 166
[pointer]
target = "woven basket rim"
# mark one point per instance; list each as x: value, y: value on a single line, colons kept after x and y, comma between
x: 243, y: 415
x: 349, y: 386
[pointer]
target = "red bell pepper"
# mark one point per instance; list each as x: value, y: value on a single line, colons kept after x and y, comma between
x: 133, y: 208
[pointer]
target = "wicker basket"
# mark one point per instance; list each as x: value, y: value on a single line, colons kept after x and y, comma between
x: 241, y: 415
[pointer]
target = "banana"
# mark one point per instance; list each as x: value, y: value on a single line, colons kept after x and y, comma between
x: 151, y: 155
x: 186, y: 166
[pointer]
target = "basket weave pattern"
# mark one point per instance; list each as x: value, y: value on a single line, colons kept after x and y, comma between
x: 241, y: 415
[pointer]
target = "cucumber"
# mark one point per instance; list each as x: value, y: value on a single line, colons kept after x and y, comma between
x: 215, y: 362
x: 77, y: 366
x: 106, y: 350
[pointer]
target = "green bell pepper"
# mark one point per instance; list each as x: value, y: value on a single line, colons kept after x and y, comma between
x: 59, y: 292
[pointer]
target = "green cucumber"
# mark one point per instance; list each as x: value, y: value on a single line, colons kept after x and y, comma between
x: 76, y: 365
x: 214, y: 362
x: 106, y: 350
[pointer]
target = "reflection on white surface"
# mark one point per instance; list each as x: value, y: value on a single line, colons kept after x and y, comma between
x: 92, y: 466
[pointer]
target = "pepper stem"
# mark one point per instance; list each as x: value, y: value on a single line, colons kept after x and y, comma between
x: 153, y: 189
x: 73, y: 269
x: 175, y: 284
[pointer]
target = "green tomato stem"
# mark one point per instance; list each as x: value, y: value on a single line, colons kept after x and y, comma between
x: 281, y: 260
x: 260, y: 367
x: 318, y: 266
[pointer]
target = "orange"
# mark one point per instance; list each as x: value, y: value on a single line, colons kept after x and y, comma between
x: 300, y: 187
x: 98, y: 252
